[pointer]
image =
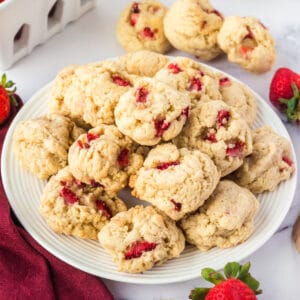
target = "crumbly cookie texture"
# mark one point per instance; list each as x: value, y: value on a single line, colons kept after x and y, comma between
x: 141, y: 238
x: 41, y: 145
x: 140, y: 27
x: 218, y: 130
x: 88, y: 94
x: 248, y: 43
x: 176, y: 181
x: 104, y: 155
x: 143, y: 62
x: 192, y: 26
x: 239, y: 97
x: 152, y: 111
x: 72, y: 207
x: 225, y: 220
x: 270, y: 163
x: 186, y: 75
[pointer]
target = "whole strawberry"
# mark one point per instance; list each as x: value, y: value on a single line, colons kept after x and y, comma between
x: 238, y: 284
x: 7, y: 98
x: 284, y: 93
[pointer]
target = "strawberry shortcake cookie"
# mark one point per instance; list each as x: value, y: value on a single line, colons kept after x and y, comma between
x: 219, y: 131
x: 176, y: 181
x: 248, y: 43
x: 225, y: 220
x: 152, y: 111
x: 72, y: 207
x: 141, y: 238
x: 140, y: 27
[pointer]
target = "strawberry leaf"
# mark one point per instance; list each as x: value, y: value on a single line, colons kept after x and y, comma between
x: 252, y: 283
x: 212, y: 276
x: 198, y: 293
x: 9, y: 84
x: 3, y: 79
x: 244, y: 271
x: 231, y: 269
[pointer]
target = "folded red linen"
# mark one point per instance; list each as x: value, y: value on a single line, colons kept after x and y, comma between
x: 27, y: 271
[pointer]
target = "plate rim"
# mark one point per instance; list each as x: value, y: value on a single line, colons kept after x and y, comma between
x: 125, y: 277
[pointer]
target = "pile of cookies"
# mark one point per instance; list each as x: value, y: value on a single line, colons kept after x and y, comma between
x: 174, y: 131
x: 196, y: 27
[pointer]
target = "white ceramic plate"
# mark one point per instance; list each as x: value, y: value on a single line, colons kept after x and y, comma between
x: 24, y: 190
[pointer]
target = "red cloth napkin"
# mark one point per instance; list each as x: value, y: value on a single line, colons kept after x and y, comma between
x: 27, y: 271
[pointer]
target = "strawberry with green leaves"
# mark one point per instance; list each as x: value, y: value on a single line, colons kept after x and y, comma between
x: 285, y: 95
x: 7, y: 98
x: 237, y: 284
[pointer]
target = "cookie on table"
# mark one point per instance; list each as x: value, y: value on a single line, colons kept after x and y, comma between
x: 225, y: 220
x: 248, y: 43
x: 239, y: 97
x: 151, y: 112
x: 89, y: 93
x: 104, y: 155
x: 140, y: 27
x: 72, y: 207
x: 143, y: 62
x: 41, y: 145
x: 184, y: 74
x: 218, y: 130
x: 176, y: 181
x: 141, y: 238
x: 192, y: 26
x: 270, y: 162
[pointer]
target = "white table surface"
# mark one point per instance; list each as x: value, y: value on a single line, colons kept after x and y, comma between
x: 92, y: 37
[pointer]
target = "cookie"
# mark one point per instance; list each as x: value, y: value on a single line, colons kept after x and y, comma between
x: 140, y: 27
x: 176, y: 181
x: 238, y: 96
x: 141, y: 238
x: 188, y: 76
x: 143, y: 62
x: 248, y: 43
x: 270, y: 162
x: 104, y: 155
x: 89, y: 93
x: 225, y: 220
x: 151, y: 111
x: 72, y: 207
x: 218, y: 130
x: 41, y: 145
x: 192, y: 26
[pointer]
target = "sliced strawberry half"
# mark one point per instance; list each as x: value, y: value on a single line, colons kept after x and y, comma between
x: 174, y: 68
x: 161, y: 126
x: 287, y: 160
x: 223, y: 117
x: 225, y: 81
x: 235, y: 149
x: 68, y: 196
x: 102, y: 206
x: 210, y: 135
x: 195, y: 84
x: 119, y: 80
x: 138, y: 248
x: 147, y: 33
x: 141, y: 95
x: 123, y: 158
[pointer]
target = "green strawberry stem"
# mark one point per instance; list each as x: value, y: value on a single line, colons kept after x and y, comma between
x: 10, y: 88
x: 292, y: 110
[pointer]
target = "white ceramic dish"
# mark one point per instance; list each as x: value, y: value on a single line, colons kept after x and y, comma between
x: 24, y: 190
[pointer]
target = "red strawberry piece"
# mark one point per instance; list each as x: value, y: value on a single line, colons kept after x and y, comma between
x: 91, y: 136
x: 96, y: 184
x: 174, y: 68
x: 133, y: 19
x: 237, y: 284
x: 7, y: 98
x: 138, y: 248
x: 211, y: 135
x: 2, y: 1
x: 195, y: 84
x: 222, y: 118
x: 225, y: 81
x: 166, y: 165
x: 101, y: 206
x: 117, y: 79
x: 147, y: 33
x: 83, y: 145
x: 235, y: 149
x: 287, y: 160
x: 68, y: 196
x: 284, y: 93
x: 177, y: 205
x: 245, y: 50
x: 161, y: 126
x: 123, y: 158
x: 135, y: 8
x: 186, y: 111
x: 141, y: 95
